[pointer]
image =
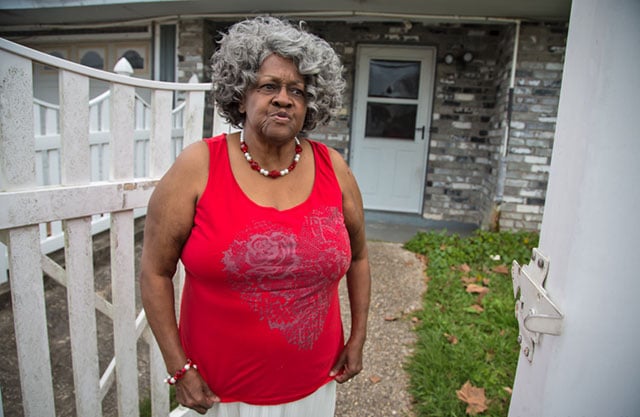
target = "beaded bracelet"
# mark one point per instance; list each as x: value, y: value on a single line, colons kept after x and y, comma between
x: 171, y: 380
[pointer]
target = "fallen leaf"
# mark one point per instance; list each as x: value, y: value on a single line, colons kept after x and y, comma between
x: 414, y: 319
x: 508, y: 389
x: 501, y: 269
x: 375, y: 379
x: 477, y: 289
x: 390, y: 318
x: 476, y: 308
x: 465, y: 268
x: 486, y: 282
x: 468, y: 280
x: 451, y: 338
x: 474, y: 397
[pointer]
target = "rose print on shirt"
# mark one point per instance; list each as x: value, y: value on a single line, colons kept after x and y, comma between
x: 287, y: 278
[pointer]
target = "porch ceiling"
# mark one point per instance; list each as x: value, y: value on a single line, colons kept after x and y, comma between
x: 78, y: 12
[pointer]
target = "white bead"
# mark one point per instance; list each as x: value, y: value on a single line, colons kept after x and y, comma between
x: 284, y: 172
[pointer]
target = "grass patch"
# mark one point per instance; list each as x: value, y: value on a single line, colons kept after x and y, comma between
x: 466, y: 336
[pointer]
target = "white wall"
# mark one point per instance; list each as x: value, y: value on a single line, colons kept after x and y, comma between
x: 591, y: 226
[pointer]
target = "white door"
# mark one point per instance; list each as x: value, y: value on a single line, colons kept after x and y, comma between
x: 392, y: 114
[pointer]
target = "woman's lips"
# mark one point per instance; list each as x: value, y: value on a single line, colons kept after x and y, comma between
x: 284, y: 116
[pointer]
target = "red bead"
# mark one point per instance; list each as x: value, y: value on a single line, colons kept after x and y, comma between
x: 292, y: 167
x: 274, y: 174
x: 255, y: 165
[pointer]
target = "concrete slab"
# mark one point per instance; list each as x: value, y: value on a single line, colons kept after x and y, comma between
x: 400, y: 227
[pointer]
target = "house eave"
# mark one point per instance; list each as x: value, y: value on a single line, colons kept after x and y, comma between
x: 65, y: 13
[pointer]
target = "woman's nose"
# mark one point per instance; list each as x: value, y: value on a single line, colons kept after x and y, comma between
x: 282, y: 97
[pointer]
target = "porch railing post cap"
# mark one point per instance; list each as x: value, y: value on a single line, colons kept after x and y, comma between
x: 123, y: 67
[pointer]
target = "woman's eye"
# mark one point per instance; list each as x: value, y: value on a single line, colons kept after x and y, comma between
x: 297, y: 92
x: 268, y: 87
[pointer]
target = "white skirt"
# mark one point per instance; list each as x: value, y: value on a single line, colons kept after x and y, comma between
x: 321, y: 403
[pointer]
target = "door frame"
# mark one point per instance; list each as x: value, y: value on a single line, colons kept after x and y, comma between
x: 429, y: 85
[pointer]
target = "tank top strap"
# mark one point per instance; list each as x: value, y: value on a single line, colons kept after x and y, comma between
x: 326, y: 182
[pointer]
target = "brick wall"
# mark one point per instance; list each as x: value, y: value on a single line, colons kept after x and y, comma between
x: 469, y: 109
x: 461, y: 163
x: 535, y: 107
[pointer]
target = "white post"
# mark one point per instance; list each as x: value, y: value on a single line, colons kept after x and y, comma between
x: 160, y: 144
x: 591, y: 226
x: 160, y: 136
x: 76, y: 169
x: 18, y: 171
x: 122, y: 248
x: 193, y: 113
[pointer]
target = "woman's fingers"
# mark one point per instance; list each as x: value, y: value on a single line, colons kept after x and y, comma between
x: 348, y: 365
x: 192, y: 392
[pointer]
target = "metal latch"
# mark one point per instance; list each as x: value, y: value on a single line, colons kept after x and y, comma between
x: 535, y: 311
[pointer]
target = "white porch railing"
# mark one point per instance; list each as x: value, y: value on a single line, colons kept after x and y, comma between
x: 63, y: 166
x: 48, y: 148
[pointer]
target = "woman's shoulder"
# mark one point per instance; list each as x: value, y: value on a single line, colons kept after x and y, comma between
x: 198, y: 152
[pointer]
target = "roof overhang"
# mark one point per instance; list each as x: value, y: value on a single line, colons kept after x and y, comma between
x: 86, y: 12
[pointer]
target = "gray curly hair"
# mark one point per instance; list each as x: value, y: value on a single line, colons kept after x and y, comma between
x: 248, y: 43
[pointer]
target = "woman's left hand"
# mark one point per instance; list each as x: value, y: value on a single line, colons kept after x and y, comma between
x: 349, y: 363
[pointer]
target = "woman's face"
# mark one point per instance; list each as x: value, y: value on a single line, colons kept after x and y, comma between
x: 275, y: 107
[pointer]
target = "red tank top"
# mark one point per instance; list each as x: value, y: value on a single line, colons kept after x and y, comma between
x: 260, y: 313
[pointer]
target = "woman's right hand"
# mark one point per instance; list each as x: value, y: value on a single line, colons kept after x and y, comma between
x: 194, y: 393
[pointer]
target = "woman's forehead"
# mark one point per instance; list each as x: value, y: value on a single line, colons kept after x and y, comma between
x: 276, y: 66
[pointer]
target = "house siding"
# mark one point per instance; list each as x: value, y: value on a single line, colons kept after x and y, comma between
x: 469, y: 109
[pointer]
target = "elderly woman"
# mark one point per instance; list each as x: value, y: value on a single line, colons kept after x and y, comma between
x: 266, y: 224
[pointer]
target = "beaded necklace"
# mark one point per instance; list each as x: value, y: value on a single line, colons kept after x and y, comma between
x: 273, y: 173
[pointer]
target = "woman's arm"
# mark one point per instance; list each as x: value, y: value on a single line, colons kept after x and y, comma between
x: 167, y: 225
x: 358, y: 276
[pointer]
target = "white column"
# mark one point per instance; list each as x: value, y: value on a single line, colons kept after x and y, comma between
x: 591, y: 226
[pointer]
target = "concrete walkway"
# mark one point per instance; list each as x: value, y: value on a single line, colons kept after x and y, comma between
x: 398, y: 284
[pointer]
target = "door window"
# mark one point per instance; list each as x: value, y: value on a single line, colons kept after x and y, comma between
x: 392, y: 100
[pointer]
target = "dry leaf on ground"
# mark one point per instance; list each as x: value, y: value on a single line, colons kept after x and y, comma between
x: 468, y: 280
x: 375, y: 379
x: 465, y: 268
x: 477, y: 289
x: 477, y: 308
x: 501, y: 269
x: 451, y: 338
x: 474, y: 397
